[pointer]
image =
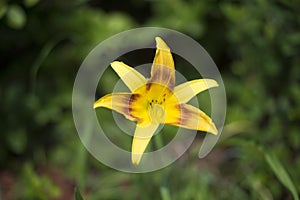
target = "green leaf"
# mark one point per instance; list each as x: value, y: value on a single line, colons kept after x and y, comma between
x: 78, y: 196
x: 17, y: 140
x: 3, y: 9
x: 16, y: 17
x: 30, y: 3
x: 281, y: 173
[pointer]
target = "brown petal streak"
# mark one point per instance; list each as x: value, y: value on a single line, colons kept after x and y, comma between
x: 163, y: 75
x: 193, y: 118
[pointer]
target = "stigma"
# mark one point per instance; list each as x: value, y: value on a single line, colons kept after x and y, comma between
x: 157, y: 113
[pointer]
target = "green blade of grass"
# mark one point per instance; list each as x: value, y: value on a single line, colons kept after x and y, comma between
x: 77, y: 195
x: 165, y: 194
x: 44, y: 53
x: 281, y: 173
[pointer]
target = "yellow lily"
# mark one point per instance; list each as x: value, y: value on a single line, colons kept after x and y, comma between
x: 157, y: 100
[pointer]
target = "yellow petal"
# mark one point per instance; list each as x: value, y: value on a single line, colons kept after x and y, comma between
x: 119, y: 102
x: 160, y: 44
x: 191, y: 117
x: 132, y: 78
x: 188, y: 90
x: 142, y: 136
x: 163, y: 71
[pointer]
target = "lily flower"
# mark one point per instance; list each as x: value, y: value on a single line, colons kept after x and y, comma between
x: 157, y: 100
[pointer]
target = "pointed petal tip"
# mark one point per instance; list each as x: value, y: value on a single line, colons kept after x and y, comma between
x: 115, y: 64
x: 97, y: 103
x: 210, y: 83
x: 131, y: 77
x: 213, y: 130
x: 160, y: 44
x: 118, y: 64
x: 135, y: 159
x: 214, y: 83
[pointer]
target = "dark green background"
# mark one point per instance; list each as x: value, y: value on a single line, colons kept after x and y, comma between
x: 255, y: 44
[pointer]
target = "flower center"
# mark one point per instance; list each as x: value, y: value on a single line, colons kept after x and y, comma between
x: 157, y: 113
x: 154, y: 103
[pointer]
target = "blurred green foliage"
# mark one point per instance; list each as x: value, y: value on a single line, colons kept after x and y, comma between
x: 35, y: 186
x: 255, y: 44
